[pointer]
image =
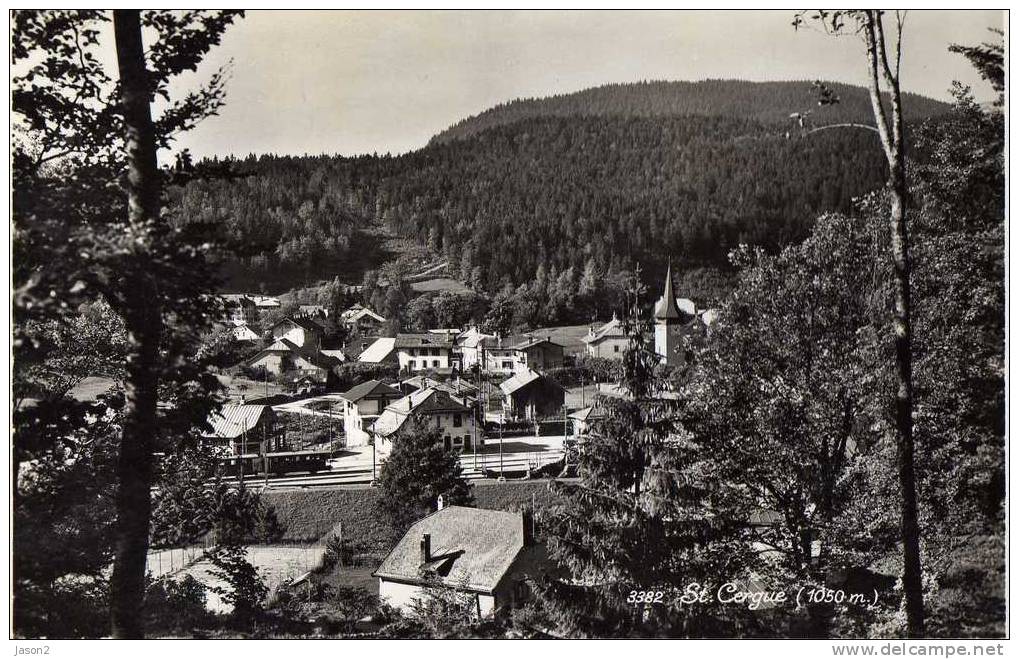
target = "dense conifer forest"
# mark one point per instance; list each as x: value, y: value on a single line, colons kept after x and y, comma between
x: 680, y: 171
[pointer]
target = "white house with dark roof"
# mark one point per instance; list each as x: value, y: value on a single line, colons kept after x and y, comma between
x: 488, y: 554
x: 302, y: 332
x: 433, y: 406
x: 362, y: 406
x: 422, y: 352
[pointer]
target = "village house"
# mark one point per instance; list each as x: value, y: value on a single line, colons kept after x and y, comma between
x: 239, y: 429
x: 243, y: 332
x: 238, y: 308
x: 264, y: 303
x: 362, y: 406
x: 583, y: 418
x: 312, y: 311
x: 362, y: 320
x: 422, y: 352
x: 302, y: 332
x: 433, y: 407
x: 379, y: 351
x: 531, y: 396
x: 495, y: 354
x: 283, y: 356
x: 537, y: 354
x: 608, y: 341
x: 488, y: 554
x: 460, y: 389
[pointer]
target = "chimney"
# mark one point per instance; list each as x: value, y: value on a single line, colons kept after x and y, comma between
x: 527, y: 526
x: 438, y: 503
x: 426, y: 548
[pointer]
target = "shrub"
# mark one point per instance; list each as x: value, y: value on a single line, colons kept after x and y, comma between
x: 172, y: 605
x: 246, y: 592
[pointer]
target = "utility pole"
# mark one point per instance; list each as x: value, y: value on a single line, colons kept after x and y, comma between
x: 502, y: 419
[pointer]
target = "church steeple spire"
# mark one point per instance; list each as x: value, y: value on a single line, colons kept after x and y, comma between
x: 666, y: 308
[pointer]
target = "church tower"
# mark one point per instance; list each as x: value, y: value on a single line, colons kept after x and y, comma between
x: 669, y: 321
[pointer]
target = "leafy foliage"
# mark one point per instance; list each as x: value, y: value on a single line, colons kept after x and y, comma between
x: 418, y: 470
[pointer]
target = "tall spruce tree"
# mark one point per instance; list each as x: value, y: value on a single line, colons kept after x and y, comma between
x: 648, y: 516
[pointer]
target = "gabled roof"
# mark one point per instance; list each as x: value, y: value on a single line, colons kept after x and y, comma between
x: 357, y: 312
x: 525, y: 341
x: 378, y: 351
x: 473, y: 543
x: 369, y: 388
x: 281, y: 345
x: 587, y: 413
x: 519, y: 381
x: 233, y: 421
x: 265, y: 301
x: 422, y: 401
x: 426, y: 340
x: 306, y: 324
x: 610, y: 330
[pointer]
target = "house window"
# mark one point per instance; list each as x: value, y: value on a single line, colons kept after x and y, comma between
x: 615, y: 348
x: 435, y: 363
x: 457, y: 421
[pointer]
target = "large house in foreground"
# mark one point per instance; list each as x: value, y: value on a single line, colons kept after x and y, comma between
x: 489, y: 555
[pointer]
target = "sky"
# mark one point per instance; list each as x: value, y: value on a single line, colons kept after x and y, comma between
x: 351, y: 82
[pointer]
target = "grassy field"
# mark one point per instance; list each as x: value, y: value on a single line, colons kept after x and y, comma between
x: 569, y: 336
x: 439, y: 284
x: 307, y: 515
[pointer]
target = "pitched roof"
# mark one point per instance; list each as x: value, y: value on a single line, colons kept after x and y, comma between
x: 586, y: 413
x: 611, y: 329
x: 525, y: 341
x: 371, y: 387
x: 233, y: 420
x: 466, y: 543
x: 422, y: 401
x: 426, y: 340
x: 357, y: 312
x: 666, y: 308
x: 378, y: 350
x: 304, y: 323
x: 519, y: 381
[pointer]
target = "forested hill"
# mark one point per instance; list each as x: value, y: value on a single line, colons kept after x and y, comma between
x: 767, y: 102
x: 552, y: 198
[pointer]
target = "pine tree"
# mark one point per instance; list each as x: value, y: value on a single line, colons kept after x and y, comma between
x: 646, y: 516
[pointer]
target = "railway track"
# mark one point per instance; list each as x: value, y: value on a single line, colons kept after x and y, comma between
x: 360, y: 474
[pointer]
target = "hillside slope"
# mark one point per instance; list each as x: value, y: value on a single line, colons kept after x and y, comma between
x: 546, y: 192
x: 766, y: 102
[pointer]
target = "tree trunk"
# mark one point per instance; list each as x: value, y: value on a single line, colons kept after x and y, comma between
x: 910, y: 526
x: 142, y: 316
x: 890, y: 129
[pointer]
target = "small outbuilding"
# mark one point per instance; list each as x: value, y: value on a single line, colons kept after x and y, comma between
x: 530, y: 395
